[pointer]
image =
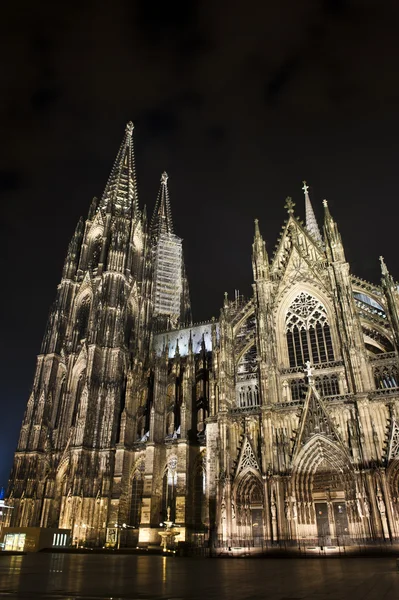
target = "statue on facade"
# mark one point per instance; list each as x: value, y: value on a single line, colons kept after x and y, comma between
x: 380, y: 502
x: 273, y: 508
x: 366, y: 506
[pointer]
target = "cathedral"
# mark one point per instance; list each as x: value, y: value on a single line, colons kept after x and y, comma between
x: 276, y: 423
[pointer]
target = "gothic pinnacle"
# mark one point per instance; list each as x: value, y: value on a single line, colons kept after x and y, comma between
x: 161, y: 221
x: 311, y: 222
x: 384, y: 268
x: 289, y: 205
x: 129, y: 128
x: 120, y: 194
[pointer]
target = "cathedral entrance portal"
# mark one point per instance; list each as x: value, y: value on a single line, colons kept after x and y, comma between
x: 257, y: 525
x: 323, y: 525
x: 324, y: 482
x: 341, y: 520
x: 250, y: 512
x: 328, y: 491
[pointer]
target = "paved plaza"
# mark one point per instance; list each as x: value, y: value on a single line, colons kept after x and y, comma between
x: 59, y: 576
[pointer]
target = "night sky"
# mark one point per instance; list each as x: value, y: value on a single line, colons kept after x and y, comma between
x: 237, y: 101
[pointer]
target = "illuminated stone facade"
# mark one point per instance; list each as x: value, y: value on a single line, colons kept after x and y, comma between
x: 278, y: 422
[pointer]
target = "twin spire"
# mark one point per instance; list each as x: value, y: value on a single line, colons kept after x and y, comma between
x: 120, y: 194
x: 162, y: 218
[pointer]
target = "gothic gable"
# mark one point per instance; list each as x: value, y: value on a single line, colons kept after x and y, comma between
x: 315, y: 421
x: 294, y: 235
x: 393, y: 441
x: 247, y: 459
x: 299, y: 268
x: 97, y: 227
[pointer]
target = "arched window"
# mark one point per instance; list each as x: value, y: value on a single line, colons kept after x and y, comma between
x: 82, y: 318
x: 308, y: 332
x: 58, y: 407
x: 79, y: 390
x: 94, y: 252
x: 199, y: 495
x: 169, y: 494
x: 135, y: 505
x: 386, y: 376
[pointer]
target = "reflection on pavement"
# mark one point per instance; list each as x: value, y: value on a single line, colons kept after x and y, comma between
x: 60, y: 576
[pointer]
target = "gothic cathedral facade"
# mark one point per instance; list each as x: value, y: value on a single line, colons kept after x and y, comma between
x: 277, y: 422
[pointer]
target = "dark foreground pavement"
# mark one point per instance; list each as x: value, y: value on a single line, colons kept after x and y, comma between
x: 85, y: 576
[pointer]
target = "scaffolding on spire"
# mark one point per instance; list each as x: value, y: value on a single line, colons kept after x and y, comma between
x: 311, y: 223
x: 168, y: 284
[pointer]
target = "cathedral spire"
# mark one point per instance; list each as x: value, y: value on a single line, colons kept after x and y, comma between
x: 311, y: 222
x: 120, y: 194
x: 162, y: 218
x: 334, y: 246
x: 260, y: 260
x: 391, y: 295
x: 384, y: 268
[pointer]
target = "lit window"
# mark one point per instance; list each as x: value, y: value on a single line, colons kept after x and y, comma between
x: 308, y: 332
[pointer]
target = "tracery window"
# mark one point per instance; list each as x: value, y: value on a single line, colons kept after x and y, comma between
x: 58, y: 407
x: 386, y: 376
x: 135, y: 506
x: 82, y: 317
x: 169, y: 493
x: 247, y: 394
x: 326, y: 385
x: 79, y: 390
x: 308, y: 332
x: 199, y: 495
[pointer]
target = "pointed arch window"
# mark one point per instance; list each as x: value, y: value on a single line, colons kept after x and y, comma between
x: 135, y: 505
x: 308, y: 332
x: 58, y: 407
x: 79, y: 390
x: 169, y: 493
x: 82, y: 317
x: 199, y: 493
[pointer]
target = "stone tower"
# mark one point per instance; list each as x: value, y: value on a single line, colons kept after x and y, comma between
x: 276, y: 423
x: 97, y: 341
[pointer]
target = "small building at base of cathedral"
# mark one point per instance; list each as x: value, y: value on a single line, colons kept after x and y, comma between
x: 34, y: 539
x: 277, y: 423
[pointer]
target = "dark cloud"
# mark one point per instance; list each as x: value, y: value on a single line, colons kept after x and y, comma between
x: 10, y: 180
x: 217, y: 134
x: 336, y: 7
x: 160, y: 18
x: 45, y: 98
x: 159, y: 122
x: 281, y: 77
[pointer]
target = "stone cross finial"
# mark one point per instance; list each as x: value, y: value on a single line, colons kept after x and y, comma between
x: 129, y: 127
x: 308, y: 369
x: 289, y: 205
x: 305, y: 187
x: 164, y: 178
x: 325, y: 203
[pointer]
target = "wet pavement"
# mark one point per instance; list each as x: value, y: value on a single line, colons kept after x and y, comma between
x: 85, y: 576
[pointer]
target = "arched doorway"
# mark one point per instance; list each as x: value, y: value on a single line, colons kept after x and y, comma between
x: 324, y: 486
x: 250, y: 508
